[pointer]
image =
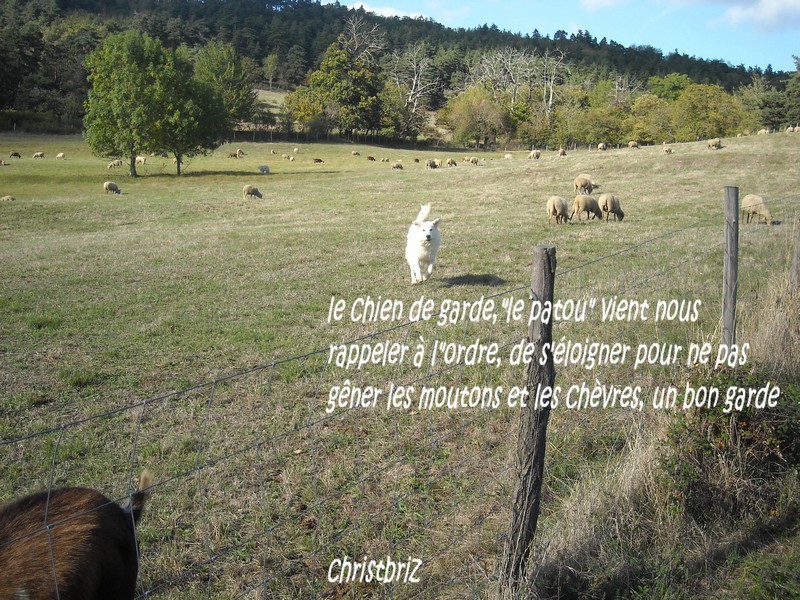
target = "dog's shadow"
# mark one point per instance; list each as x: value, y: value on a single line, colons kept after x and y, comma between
x: 486, y: 279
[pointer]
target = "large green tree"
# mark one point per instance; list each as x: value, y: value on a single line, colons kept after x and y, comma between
x: 144, y: 98
x: 218, y: 64
x: 705, y: 111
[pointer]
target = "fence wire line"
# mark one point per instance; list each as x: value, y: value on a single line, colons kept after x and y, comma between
x: 198, y: 467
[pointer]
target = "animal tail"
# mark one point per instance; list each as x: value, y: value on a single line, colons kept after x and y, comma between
x: 424, y: 213
x: 140, y: 495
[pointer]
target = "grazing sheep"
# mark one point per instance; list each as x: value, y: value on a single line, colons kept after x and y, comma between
x: 398, y: 166
x: 70, y: 543
x: 355, y: 153
x: 609, y: 204
x: 416, y: 160
x: 602, y: 146
x: 285, y: 156
x: 763, y: 132
x: 318, y: 160
x: 111, y: 187
x: 755, y: 205
x: 296, y: 150
x: 451, y: 162
x: 272, y: 151
x: 430, y: 163
x: 562, y: 152
x: 371, y: 158
x: 233, y: 155
x: 557, y: 207
x: 60, y: 156
x: 790, y: 129
x: 473, y: 160
x: 7, y: 199
x: 667, y: 150
x: 115, y: 163
x: 263, y: 169
x: 508, y: 156
x: 291, y: 159
x: 588, y: 204
x: 633, y: 144
x: 141, y: 160
x: 251, y: 190
x: 584, y: 183
x: 3, y: 163
x: 714, y: 144
x: 15, y: 155
x: 535, y: 154
x: 38, y: 155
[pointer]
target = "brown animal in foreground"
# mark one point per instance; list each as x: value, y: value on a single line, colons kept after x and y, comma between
x: 70, y: 543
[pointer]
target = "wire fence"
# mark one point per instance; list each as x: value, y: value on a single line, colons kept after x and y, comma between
x: 264, y: 489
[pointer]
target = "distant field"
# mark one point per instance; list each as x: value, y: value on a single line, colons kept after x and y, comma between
x: 109, y: 300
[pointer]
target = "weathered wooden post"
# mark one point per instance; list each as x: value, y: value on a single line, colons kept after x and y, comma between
x: 532, y: 433
x: 730, y: 273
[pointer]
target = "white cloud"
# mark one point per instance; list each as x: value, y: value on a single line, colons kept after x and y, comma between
x: 766, y: 15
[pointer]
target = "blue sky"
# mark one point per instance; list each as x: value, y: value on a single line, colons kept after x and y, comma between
x: 755, y: 33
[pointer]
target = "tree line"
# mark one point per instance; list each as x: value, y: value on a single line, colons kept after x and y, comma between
x: 352, y: 73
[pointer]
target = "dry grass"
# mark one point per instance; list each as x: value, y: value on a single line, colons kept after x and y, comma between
x: 111, y: 301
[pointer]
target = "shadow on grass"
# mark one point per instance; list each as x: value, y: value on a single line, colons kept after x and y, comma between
x: 486, y: 279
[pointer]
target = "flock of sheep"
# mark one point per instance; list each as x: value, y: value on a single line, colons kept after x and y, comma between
x: 583, y: 185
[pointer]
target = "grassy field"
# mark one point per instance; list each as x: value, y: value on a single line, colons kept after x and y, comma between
x: 180, y: 283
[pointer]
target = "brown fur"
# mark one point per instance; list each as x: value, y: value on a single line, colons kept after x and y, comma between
x: 87, y: 549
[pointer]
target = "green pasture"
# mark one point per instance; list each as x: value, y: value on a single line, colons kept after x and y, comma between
x: 108, y: 300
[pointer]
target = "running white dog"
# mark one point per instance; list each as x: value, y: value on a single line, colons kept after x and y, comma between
x: 422, y: 244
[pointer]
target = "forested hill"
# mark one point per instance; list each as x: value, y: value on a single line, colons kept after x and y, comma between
x: 44, y: 44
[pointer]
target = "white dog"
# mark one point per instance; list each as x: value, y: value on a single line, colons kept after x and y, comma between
x: 422, y: 244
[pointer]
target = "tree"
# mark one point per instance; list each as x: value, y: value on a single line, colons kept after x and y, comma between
x: 650, y: 120
x: 143, y: 97
x: 670, y: 86
x: 705, y: 111
x: 412, y: 78
x: 218, y: 65
x: 270, y: 67
x: 474, y: 116
x: 793, y: 95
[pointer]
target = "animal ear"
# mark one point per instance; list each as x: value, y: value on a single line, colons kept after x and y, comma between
x: 436, y: 221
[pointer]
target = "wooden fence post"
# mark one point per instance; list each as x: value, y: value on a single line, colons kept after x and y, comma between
x: 795, y: 276
x: 730, y: 273
x: 532, y: 433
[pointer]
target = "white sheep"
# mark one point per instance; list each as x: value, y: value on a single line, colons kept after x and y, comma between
x: 451, y: 162
x: 38, y: 155
x: 398, y: 166
x: 7, y: 198
x: 508, y: 156
x: 755, y: 205
x: 111, y: 187
x: 562, y: 152
x: 263, y: 169
x: 633, y: 144
x: 610, y: 205
x: 602, y: 146
x: 13, y: 154
x: 584, y: 183
x: 763, y: 132
x: 557, y: 207
x: 790, y: 129
x: 60, y: 156
x: 714, y: 144
x: 667, y: 150
x: 251, y: 190
x: 430, y: 163
x: 473, y: 160
x: 141, y: 160
x: 587, y: 204
x: 115, y: 163
x: 535, y: 154
x: 355, y: 153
